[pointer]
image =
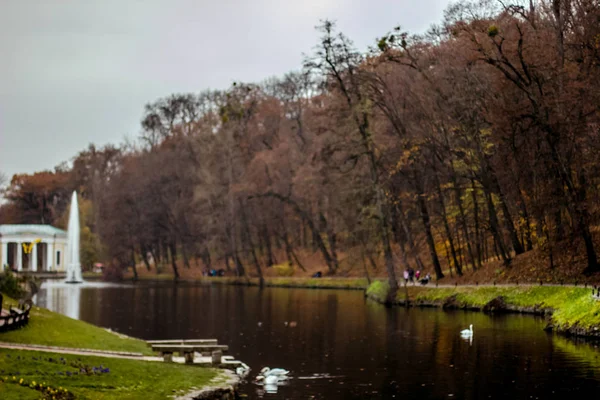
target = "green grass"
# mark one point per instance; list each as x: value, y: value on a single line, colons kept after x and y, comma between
x: 125, y: 379
x: 52, y: 329
x: 323, y: 283
x: 378, y: 290
x: 571, y: 306
x: 11, y: 391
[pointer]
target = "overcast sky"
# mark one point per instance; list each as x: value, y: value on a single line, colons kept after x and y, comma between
x: 80, y: 71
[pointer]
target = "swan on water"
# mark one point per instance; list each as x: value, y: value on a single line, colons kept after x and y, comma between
x: 268, y: 380
x: 467, y: 332
x: 242, y: 370
x: 266, y: 371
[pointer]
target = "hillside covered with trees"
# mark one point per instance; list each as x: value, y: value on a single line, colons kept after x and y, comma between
x: 475, y: 143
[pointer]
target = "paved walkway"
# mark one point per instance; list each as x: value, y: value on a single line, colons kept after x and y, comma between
x: 505, y: 285
x: 80, y: 352
x: 198, y: 359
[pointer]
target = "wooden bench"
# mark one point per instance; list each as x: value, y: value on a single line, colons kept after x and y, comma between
x: 186, y: 350
x: 182, y: 342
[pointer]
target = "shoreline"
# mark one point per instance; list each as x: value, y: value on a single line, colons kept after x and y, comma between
x: 569, y: 309
x: 278, y: 282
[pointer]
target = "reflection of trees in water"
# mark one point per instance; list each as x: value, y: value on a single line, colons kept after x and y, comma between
x: 338, y: 333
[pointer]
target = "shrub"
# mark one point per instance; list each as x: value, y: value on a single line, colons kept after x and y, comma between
x: 9, y: 285
x: 378, y: 290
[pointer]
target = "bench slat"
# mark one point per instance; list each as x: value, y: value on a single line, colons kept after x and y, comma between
x: 182, y: 341
x: 185, y: 347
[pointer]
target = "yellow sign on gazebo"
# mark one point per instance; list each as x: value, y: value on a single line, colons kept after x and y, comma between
x: 27, y: 248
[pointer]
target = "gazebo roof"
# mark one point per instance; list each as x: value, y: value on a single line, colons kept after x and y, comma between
x: 31, y: 229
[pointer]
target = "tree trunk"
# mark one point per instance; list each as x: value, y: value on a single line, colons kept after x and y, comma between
x: 440, y: 196
x: 463, y: 218
x: 227, y: 265
x: 173, y: 249
x: 261, y: 280
x: 409, y: 236
x: 186, y: 260
x: 316, y: 234
x: 494, y: 227
x: 364, y: 262
x: 135, y: 273
x: 525, y: 214
x: 508, y: 221
x: 144, y: 252
x: 267, y: 242
x: 476, y: 218
x: 427, y: 225
x: 331, y: 238
x: 239, y: 267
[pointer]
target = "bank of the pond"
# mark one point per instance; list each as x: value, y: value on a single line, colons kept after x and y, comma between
x: 34, y: 374
x: 283, y: 282
x: 569, y: 310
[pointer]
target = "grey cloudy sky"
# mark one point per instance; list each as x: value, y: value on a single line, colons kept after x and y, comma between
x: 74, y: 72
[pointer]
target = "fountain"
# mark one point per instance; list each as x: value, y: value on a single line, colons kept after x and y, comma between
x: 73, y: 265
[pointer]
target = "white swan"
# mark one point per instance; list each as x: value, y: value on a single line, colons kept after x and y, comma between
x: 270, y: 379
x: 279, y: 372
x: 467, y: 332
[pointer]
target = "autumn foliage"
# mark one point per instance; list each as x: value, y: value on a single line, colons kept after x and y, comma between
x: 472, y: 142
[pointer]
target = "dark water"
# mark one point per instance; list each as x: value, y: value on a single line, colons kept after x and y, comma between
x: 344, y: 347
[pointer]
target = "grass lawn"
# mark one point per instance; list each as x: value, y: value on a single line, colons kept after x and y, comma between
x: 88, y: 377
x: 571, y: 305
x: 291, y: 282
x: 52, y: 329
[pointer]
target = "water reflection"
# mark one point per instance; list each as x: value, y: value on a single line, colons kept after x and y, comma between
x: 67, y: 299
x: 344, y: 347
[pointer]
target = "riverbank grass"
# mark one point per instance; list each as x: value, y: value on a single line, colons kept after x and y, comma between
x: 570, y: 306
x: 285, y: 282
x: 52, y: 329
x: 35, y: 375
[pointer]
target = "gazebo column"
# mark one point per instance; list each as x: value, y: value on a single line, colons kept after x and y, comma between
x: 4, y: 255
x: 49, y: 256
x: 33, y: 255
x: 19, y: 256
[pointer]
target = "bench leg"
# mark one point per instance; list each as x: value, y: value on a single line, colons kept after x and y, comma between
x: 167, y: 357
x: 189, y: 357
x: 216, y: 357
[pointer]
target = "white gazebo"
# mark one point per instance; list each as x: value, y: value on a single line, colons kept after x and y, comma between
x: 33, y: 247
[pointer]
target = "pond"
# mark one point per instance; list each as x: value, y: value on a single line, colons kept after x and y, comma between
x: 339, y: 345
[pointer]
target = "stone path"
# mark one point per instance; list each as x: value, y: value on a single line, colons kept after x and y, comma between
x: 81, y: 352
x: 503, y: 285
x: 198, y: 359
